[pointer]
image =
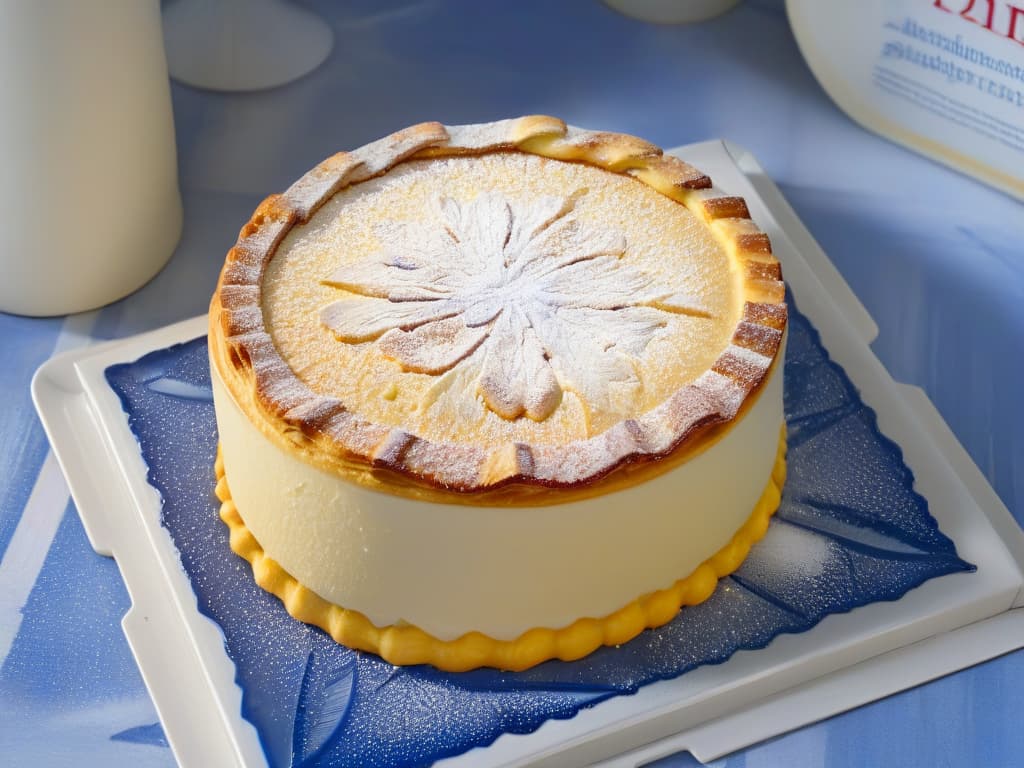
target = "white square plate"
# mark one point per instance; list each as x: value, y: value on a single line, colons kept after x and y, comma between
x: 846, y: 660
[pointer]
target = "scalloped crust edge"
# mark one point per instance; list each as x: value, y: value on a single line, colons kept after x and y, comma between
x: 403, y: 645
x: 323, y: 425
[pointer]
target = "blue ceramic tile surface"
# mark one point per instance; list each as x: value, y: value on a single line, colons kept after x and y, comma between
x: 850, y: 531
x: 935, y: 257
x: 26, y: 345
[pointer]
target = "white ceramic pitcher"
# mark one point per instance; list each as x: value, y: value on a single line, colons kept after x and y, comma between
x: 89, y: 202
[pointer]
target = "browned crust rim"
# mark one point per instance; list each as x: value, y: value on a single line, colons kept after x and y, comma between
x: 323, y: 423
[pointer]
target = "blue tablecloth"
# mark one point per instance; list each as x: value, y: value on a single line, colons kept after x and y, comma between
x: 937, y: 259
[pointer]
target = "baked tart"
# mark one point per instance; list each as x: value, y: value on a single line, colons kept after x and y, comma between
x: 494, y: 394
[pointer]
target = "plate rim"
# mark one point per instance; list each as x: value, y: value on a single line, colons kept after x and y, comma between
x: 70, y: 392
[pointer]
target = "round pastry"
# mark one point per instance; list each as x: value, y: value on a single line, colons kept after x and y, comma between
x: 489, y: 395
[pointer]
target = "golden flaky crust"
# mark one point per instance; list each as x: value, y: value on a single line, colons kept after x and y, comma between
x: 325, y: 431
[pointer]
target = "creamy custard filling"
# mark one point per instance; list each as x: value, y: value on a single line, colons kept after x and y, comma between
x: 454, y: 568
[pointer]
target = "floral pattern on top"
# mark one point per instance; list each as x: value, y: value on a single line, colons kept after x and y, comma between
x: 540, y: 300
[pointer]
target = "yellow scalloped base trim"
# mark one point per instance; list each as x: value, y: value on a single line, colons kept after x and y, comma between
x: 402, y: 645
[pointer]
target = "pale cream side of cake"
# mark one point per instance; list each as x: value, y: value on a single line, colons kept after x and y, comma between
x: 452, y: 568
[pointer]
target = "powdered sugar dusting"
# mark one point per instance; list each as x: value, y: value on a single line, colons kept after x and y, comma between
x: 308, y: 193
x: 723, y: 391
x: 787, y: 553
x: 314, y: 412
x: 761, y: 338
x: 391, y: 449
x: 565, y: 465
x: 744, y: 366
x: 450, y: 466
x: 378, y: 156
x: 685, y: 410
x: 259, y: 245
x: 770, y: 315
x: 356, y: 436
x: 239, y: 296
x: 483, y: 135
x: 244, y: 319
x: 551, y: 300
x: 241, y: 273
x: 646, y: 260
x: 432, y: 348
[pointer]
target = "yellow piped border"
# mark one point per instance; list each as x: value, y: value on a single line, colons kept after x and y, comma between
x: 407, y: 644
